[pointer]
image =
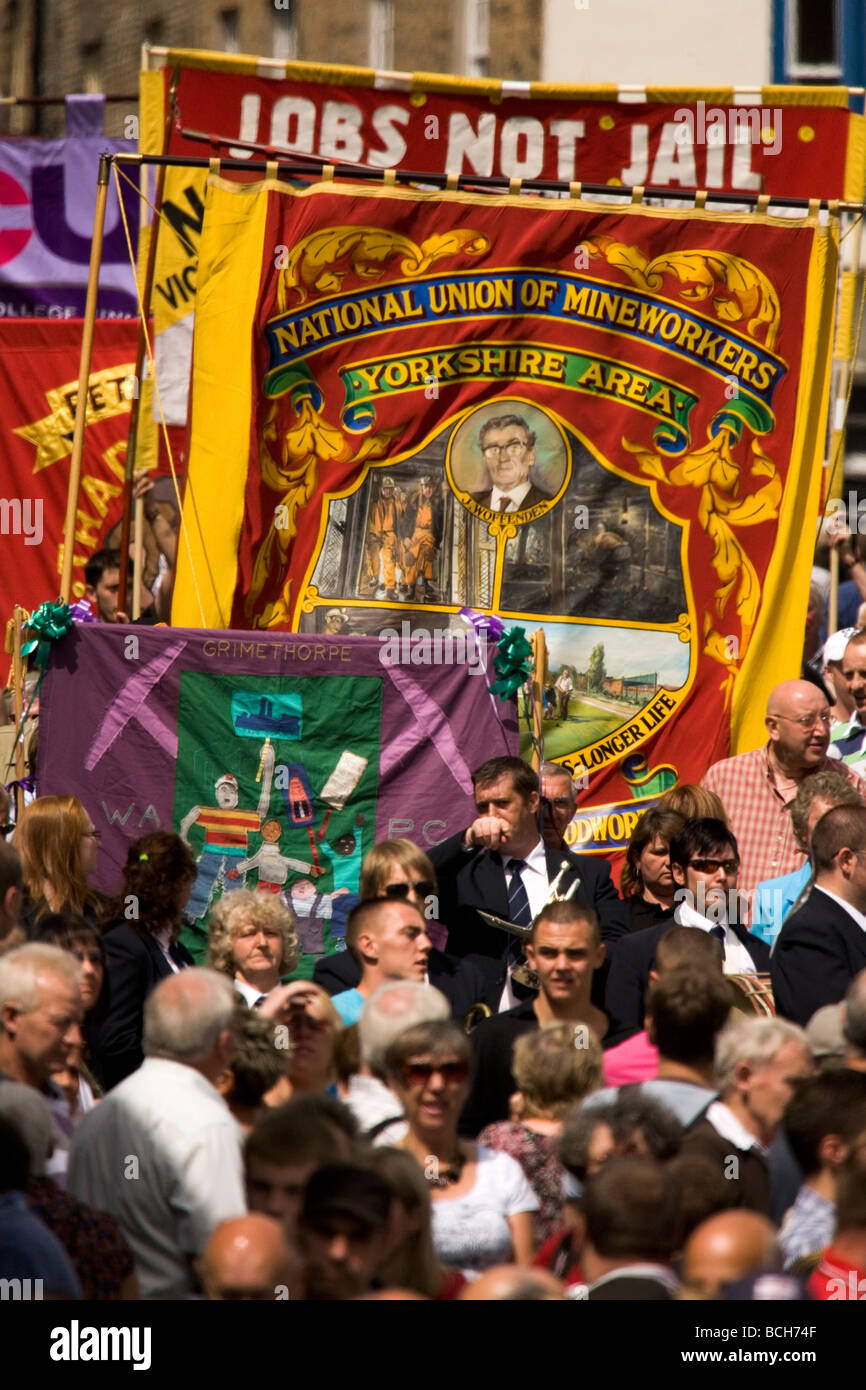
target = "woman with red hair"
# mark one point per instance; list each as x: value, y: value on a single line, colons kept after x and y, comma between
x: 59, y: 846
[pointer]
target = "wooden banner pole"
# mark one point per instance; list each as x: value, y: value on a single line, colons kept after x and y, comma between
x: 84, y: 375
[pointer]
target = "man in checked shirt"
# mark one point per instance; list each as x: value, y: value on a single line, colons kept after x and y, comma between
x: 757, y: 788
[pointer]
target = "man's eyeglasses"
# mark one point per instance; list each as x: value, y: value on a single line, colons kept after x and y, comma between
x: 807, y: 721
x: 711, y: 866
x: 401, y: 891
x: 419, y: 1073
x: 514, y: 446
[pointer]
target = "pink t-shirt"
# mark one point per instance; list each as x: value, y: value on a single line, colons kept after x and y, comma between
x: 633, y: 1060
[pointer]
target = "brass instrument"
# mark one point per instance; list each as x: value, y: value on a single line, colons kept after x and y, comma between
x: 470, y: 1020
x: 522, y: 973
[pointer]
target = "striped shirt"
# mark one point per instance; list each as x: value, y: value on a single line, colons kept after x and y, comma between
x: 759, y: 815
x: 227, y: 829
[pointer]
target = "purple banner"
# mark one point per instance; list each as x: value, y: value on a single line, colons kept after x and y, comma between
x: 146, y: 725
x: 47, y: 198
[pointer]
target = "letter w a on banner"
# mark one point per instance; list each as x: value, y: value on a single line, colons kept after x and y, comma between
x: 608, y: 422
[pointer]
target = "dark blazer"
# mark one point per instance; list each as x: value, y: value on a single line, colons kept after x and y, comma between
x: 134, y: 964
x: 630, y: 963
x: 473, y: 879
x: 459, y: 980
x: 632, y: 1287
x: 532, y: 499
x: 493, y: 1081
x: 818, y: 952
x: 752, y: 1174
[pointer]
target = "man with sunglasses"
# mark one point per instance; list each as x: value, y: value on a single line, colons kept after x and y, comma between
x: 705, y: 864
x: 756, y: 788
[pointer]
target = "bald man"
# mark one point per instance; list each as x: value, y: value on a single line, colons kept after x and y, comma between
x: 513, y: 1283
x: 757, y: 787
x: 250, y: 1259
x: 726, y: 1247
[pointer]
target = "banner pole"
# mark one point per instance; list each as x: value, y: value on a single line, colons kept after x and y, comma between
x: 19, y: 618
x: 84, y: 375
x: 311, y: 166
x: 539, y: 651
x: 140, y: 351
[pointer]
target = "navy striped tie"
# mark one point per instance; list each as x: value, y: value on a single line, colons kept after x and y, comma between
x: 519, y: 911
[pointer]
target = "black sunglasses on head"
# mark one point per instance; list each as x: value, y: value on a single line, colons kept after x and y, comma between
x: 423, y: 888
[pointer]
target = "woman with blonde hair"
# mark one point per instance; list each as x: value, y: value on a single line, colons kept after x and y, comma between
x: 693, y: 802
x: 59, y: 846
x: 555, y: 1068
x: 401, y: 872
x: 254, y: 940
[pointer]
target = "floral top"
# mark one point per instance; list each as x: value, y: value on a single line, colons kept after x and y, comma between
x: 536, y: 1154
x: 93, y: 1240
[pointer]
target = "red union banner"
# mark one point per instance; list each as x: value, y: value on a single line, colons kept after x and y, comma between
x: 785, y: 141
x: 38, y: 393
x: 607, y: 423
x: 800, y: 142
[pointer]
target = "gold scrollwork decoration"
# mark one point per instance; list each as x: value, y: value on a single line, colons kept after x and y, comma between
x: 321, y: 261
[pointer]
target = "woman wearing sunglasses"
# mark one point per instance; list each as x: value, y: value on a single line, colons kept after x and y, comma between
x: 482, y: 1202
x: 400, y: 871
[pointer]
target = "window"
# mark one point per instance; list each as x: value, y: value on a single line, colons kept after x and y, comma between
x: 91, y: 68
x: 476, y: 32
x: 284, y: 33
x: 230, y: 27
x: 154, y: 33
x: 813, y: 39
x: 381, y: 34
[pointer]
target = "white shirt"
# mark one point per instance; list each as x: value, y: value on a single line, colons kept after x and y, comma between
x: 515, y: 496
x: 162, y: 1155
x: 250, y: 995
x: 852, y: 911
x: 162, y: 937
x: 471, y: 1232
x: 730, y: 1127
x: 738, y: 961
x: 537, y: 885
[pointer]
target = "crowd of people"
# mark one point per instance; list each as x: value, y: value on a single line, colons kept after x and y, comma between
x: 520, y: 1080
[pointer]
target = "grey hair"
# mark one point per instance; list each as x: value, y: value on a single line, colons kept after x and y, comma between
x: 854, y: 1026
x: 549, y: 769
x: 22, y: 969
x: 752, y: 1040
x: 185, y: 1015
x: 390, y: 1010
x: 28, y: 1111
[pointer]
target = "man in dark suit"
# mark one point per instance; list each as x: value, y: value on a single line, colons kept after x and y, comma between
x: 822, y: 946
x: 508, y: 446
x: 501, y: 865
x: 705, y: 864
x: 631, y: 1209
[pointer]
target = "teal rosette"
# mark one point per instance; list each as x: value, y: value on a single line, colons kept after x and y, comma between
x: 513, y: 663
x: 48, y: 624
